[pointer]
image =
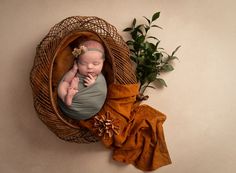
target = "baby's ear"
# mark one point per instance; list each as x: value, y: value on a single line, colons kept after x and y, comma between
x: 76, y: 60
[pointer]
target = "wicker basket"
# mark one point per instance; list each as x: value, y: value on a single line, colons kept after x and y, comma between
x: 53, y: 58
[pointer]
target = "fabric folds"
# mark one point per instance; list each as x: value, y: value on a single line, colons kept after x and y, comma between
x: 82, y: 107
x: 134, y: 132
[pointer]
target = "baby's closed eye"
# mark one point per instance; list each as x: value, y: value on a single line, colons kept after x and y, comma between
x: 96, y: 63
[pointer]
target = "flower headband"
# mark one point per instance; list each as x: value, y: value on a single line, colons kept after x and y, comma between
x: 83, y: 49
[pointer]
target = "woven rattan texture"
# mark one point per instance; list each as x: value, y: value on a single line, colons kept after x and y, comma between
x: 41, y: 73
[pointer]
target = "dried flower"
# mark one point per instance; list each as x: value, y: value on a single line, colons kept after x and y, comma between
x: 106, y: 125
x: 78, y: 51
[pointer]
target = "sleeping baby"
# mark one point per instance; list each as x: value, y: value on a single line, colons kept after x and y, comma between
x: 82, y: 90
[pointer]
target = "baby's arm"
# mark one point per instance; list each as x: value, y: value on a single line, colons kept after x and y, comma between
x: 89, y: 80
x: 65, y: 83
x: 71, y: 73
x: 71, y: 91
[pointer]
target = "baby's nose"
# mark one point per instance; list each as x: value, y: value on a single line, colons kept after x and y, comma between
x: 90, y: 65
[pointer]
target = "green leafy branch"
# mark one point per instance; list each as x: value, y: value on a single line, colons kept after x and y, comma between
x: 150, y: 59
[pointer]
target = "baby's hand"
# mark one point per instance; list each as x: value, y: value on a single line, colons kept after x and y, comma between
x: 89, y: 80
x: 74, y: 83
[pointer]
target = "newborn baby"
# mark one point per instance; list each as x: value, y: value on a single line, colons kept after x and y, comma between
x: 82, y: 90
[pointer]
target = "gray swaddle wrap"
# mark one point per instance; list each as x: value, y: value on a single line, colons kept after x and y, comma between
x: 88, y: 101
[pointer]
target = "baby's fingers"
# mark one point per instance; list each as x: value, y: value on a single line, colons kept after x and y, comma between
x: 90, y: 76
x: 88, y: 81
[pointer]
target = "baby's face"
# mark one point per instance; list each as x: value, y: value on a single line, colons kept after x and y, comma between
x: 90, y: 63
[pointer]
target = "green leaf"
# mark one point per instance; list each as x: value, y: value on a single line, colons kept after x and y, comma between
x: 149, y: 86
x: 173, y: 57
x: 134, y: 34
x: 161, y: 48
x: 139, y: 26
x: 136, y: 46
x: 152, y: 77
x: 130, y: 42
x: 140, y: 39
x: 151, y: 47
x: 175, y: 50
x: 148, y: 67
x: 157, y: 56
x: 139, y: 31
x: 157, y: 43
x: 134, y: 23
x: 134, y: 58
x: 167, y: 68
x: 156, y: 26
x: 132, y: 50
x: 161, y: 81
x: 153, y: 38
x: 147, y: 28
x: 127, y: 29
x: 147, y: 20
x: 155, y: 16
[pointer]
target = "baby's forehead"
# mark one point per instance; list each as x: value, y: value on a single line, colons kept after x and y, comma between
x: 92, y: 44
x: 91, y: 55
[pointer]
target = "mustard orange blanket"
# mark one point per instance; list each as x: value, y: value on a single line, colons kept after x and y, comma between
x: 133, y: 131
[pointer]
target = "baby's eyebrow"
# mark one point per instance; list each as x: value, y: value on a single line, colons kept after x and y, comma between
x: 82, y: 61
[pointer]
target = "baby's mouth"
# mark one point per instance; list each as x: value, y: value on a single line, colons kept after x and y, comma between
x: 91, y: 73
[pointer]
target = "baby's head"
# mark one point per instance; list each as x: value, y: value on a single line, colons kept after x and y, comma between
x: 90, y: 56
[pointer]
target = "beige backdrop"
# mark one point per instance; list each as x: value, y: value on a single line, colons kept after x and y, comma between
x: 199, y: 100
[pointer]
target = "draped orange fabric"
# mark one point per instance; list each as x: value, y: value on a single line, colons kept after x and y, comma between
x: 133, y: 131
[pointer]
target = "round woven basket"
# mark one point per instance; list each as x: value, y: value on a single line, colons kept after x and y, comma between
x: 53, y: 58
